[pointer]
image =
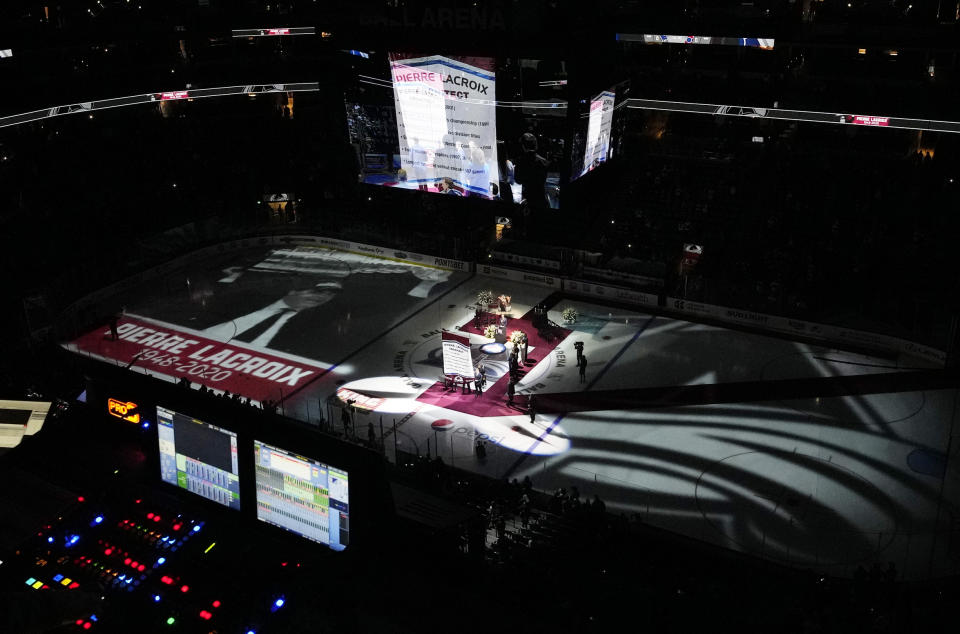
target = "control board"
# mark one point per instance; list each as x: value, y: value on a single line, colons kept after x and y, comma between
x: 140, y: 565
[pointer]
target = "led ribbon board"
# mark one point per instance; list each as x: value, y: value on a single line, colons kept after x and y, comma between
x: 766, y: 43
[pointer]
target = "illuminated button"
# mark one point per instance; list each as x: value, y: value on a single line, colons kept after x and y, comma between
x: 127, y: 561
x: 216, y: 604
x: 278, y: 603
x: 98, y: 519
x: 79, y: 621
x: 161, y: 560
x: 57, y: 577
x: 149, y: 516
x: 171, y: 621
x: 87, y: 625
x: 108, y: 551
x: 196, y: 528
x: 176, y: 527
x: 50, y: 540
x: 31, y: 581
x: 81, y: 499
x: 156, y: 598
x: 66, y: 581
x: 167, y: 580
x: 184, y: 588
x: 74, y: 585
x: 141, y: 567
x: 205, y: 615
x: 37, y: 585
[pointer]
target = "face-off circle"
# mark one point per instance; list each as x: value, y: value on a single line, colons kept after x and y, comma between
x: 828, y: 514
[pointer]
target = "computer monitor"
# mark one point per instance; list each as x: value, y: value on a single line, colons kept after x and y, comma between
x: 198, y: 457
x: 302, y: 495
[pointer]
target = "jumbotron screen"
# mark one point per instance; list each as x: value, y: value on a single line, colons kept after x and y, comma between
x: 198, y: 457
x: 596, y: 142
x: 439, y: 134
x: 302, y: 495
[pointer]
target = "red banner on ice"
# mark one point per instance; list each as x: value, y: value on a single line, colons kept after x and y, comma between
x: 168, y: 353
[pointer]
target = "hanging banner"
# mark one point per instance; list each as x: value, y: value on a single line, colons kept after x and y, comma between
x: 456, y: 355
x: 446, y: 122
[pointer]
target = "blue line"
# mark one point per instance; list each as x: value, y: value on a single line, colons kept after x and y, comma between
x: 620, y: 354
x: 536, y: 442
x: 380, y: 336
x: 559, y: 418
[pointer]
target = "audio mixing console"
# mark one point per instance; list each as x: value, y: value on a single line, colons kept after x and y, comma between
x: 139, y: 565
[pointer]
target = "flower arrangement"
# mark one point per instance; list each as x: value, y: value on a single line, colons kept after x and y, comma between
x: 569, y: 314
x: 517, y: 337
x: 490, y: 332
x: 484, y: 298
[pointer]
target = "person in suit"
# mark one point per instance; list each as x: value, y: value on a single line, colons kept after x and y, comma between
x: 530, y: 170
x: 418, y: 158
x: 285, y: 299
x: 445, y: 186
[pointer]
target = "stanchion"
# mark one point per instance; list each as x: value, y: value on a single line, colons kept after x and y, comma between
x: 396, y: 460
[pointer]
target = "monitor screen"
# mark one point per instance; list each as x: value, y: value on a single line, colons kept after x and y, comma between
x: 446, y: 122
x: 598, y: 131
x: 433, y: 123
x: 597, y: 138
x: 302, y: 495
x: 198, y: 457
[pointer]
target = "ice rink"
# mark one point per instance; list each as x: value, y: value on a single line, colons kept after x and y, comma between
x: 789, y: 451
